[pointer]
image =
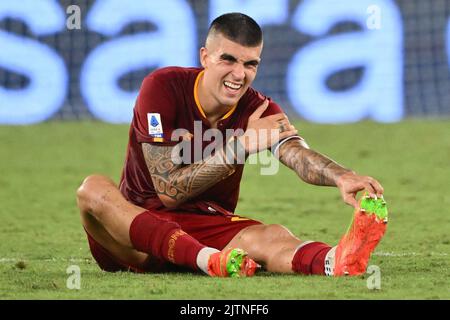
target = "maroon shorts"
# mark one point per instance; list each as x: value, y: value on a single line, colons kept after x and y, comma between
x: 214, y: 231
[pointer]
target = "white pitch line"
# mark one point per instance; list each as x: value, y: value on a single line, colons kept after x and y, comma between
x: 7, y: 260
x: 380, y: 253
x: 408, y: 254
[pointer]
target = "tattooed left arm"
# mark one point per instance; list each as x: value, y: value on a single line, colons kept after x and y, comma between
x: 311, y: 166
x: 315, y: 168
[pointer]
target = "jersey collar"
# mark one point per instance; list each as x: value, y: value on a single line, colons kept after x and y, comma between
x: 197, y: 101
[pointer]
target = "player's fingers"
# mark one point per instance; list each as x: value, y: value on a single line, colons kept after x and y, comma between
x: 283, y: 127
x: 350, y: 199
x: 284, y: 122
x: 276, y: 117
x: 290, y: 127
x: 377, y: 186
x: 284, y: 118
x: 259, y: 111
x: 370, y: 189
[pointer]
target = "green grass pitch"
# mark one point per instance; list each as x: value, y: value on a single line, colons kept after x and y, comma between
x: 41, y: 166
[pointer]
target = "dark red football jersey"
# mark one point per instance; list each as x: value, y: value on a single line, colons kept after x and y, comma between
x: 168, y: 101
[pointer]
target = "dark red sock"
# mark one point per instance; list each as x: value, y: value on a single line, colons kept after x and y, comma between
x: 164, y: 239
x: 310, y: 259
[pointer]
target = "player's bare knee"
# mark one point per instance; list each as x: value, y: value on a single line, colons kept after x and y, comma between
x: 88, y: 190
x: 247, y: 237
x: 263, y: 234
x: 82, y: 197
x: 96, y: 180
x: 273, y: 232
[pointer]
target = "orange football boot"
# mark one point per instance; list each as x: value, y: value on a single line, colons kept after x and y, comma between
x: 232, y: 263
x: 365, y: 232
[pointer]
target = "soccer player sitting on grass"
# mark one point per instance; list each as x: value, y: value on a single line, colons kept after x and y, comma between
x: 168, y: 213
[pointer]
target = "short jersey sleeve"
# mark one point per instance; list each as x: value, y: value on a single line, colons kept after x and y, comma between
x: 254, y: 99
x: 155, y: 111
x: 273, y: 108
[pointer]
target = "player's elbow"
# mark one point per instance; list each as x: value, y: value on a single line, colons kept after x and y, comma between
x: 168, y: 202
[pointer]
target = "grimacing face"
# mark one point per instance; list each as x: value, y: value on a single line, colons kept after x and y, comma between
x: 230, y: 69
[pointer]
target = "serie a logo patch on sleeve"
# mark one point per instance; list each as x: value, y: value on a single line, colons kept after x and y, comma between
x: 155, y: 129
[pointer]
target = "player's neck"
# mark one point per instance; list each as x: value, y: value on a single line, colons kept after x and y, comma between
x: 210, y: 106
x: 215, y: 113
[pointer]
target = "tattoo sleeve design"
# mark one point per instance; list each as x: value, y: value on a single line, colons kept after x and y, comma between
x: 181, y: 182
x: 311, y: 166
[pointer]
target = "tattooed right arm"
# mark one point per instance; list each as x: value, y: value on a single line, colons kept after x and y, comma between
x: 175, y: 183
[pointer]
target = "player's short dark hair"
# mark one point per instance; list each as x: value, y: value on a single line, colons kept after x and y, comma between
x: 238, y: 28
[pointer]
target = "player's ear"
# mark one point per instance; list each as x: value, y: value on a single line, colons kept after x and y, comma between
x: 203, y: 55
